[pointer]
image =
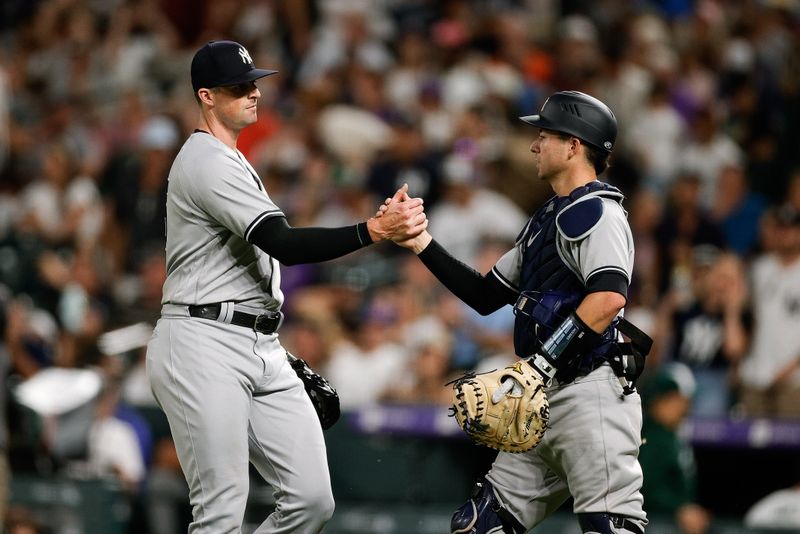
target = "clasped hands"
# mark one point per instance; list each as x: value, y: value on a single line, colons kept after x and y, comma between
x: 400, y: 218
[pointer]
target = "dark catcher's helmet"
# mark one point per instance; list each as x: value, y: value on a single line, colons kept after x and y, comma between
x: 580, y: 115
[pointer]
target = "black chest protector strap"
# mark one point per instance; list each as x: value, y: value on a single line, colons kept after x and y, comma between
x: 628, y: 362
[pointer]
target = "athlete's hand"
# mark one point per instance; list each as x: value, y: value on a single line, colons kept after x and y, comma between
x: 399, y: 218
x: 415, y: 244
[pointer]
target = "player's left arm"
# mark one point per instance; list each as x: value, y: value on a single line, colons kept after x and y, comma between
x: 595, y: 242
x: 597, y: 310
x: 602, y: 255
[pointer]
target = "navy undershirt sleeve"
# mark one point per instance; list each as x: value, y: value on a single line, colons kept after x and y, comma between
x: 291, y: 246
x: 484, y: 294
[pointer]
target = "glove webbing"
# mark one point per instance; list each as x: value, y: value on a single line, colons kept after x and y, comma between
x: 472, y: 424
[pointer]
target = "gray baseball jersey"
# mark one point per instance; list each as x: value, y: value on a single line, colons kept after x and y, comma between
x: 215, y: 199
x: 609, y: 249
x: 229, y: 393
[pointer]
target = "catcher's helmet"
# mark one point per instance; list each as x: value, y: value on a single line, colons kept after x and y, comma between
x: 580, y: 115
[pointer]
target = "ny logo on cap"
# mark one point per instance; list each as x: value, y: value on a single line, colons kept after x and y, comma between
x: 245, y: 56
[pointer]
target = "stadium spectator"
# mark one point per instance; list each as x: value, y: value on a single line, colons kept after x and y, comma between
x: 738, y: 210
x: 407, y: 160
x: 670, y: 477
x: 470, y: 212
x: 61, y: 207
x: 363, y: 368
x: 135, y: 181
x: 656, y: 138
x: 708, y: 151
x: 428, y: 370
x: 710, y: 334
x: 770, y: 374
x: 685, y: 224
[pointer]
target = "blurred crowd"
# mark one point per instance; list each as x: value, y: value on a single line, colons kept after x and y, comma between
x: 95, y: 100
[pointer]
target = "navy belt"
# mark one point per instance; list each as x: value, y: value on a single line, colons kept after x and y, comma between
x: 267, y: 322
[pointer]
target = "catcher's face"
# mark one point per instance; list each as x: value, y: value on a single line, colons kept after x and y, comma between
x: 551, y: 153
x: 237, y: 106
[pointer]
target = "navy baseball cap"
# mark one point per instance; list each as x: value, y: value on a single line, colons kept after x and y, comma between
x: 223, y: 64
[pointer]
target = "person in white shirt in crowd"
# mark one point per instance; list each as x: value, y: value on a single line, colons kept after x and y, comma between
x: 656, y: 138
x: 470, y: 212
x: 364, y: 366
x: 708, y: 152
x: 770, y: 374
x: 61, y: 206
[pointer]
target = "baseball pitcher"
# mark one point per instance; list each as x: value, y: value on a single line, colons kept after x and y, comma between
x: 231, y: 393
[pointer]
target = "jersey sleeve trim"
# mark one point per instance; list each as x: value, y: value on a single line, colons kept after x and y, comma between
x: 608, y: 281
x: 363, y: 234
x: 261, y: 217
x: 503, y: 280
x: 608, y: 269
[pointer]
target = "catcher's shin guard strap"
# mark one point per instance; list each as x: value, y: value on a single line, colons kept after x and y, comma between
x: 483, y: 513
x: 605, y: 523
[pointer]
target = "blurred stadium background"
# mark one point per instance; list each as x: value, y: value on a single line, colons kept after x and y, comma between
x: 95, y: 100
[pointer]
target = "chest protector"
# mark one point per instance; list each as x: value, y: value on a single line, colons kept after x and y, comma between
x: 551, y: 288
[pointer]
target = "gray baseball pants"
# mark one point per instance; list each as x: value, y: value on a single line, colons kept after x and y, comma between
x: 590, y: 451
x: 231, y: 398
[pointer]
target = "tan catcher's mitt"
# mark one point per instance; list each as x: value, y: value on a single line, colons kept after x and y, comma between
x: 504, y: 409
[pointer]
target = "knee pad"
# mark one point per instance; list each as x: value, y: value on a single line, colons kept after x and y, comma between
x: 484, y: 514
x: 605, y: 523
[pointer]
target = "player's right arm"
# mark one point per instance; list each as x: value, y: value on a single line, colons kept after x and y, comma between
x: 232, y: 197
x: 291, y: 245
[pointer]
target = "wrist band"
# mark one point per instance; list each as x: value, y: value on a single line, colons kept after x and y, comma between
x: 573, y: 334
x: 361, y: 228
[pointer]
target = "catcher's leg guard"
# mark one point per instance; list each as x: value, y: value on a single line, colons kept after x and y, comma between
x: 484, y: 514
x: 605, y: 523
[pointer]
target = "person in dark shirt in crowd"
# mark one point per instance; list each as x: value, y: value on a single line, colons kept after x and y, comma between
x: 710, y: 334
x: 685, y: 224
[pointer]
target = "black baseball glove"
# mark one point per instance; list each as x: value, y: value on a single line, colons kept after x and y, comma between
x: 322, y: 395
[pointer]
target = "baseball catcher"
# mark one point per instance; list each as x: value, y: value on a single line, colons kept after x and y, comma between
x: 503, y: 409
x: 567, y: 277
